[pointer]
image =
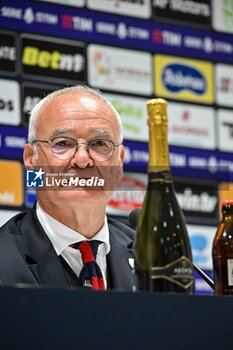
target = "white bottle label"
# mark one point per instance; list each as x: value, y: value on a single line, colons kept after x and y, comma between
x: 230, y: 272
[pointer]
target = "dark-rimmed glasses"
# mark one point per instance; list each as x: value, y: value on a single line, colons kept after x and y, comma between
x: 64, y: 148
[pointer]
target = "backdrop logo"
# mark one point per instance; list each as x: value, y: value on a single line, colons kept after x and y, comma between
x: 9, y: 102
x: 184, y: 79
x: 8, y: 52
x: 179, y: 77
x: 199, y: 245
x: 224, y: 85
x: 33, y: 56
x: 137, y: 8
x: 49, y: 58
x: 11, y: 183
x: 35, y: 178
x: 119, y: 69
x: 195, y: 11
x: 31, y: 95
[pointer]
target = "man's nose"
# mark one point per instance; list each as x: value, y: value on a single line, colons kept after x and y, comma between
x: 82, y: 158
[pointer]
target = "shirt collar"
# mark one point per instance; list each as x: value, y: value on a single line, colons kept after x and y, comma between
x: 62, y: 236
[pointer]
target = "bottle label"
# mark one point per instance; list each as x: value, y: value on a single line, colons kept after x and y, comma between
x: 230, y: 272
x: 162, y: 176
x: 179, y: 272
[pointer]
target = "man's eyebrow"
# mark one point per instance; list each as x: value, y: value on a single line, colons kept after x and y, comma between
x: 102, y: 132
x: 95, y: 132
x: 60, y: 132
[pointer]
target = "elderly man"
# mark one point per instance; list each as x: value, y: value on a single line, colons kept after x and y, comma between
x: 67, y: 239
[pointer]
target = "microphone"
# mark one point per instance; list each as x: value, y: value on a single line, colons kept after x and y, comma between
x: 133, y: 218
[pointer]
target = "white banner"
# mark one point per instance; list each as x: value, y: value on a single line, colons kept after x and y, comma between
x: 224, y: 85
x: 9, y: 102
x: 201, y: 238
x: 133, y: 114
x: 136, y: 8
x: 225, y: 130
x: 191, y: 126
x: 119, y: 69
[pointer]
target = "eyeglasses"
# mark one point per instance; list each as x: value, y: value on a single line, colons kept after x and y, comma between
x: 64, y: 148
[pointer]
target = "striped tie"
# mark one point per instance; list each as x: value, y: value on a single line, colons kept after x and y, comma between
x: 90, y: 275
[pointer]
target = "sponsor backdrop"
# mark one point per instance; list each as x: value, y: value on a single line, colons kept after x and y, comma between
x: 131, y: 50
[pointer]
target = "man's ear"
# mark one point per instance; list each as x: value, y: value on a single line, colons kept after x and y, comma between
x: 28, y: 156
x: 120, y: 169
x: 122, y: 154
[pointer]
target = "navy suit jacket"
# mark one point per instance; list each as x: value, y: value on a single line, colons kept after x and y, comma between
x: 28, y: 257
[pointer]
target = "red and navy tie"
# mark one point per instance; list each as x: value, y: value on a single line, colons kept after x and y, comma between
x: 90, y: 275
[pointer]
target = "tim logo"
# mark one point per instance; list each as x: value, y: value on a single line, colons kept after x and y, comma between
x: 35, y: 178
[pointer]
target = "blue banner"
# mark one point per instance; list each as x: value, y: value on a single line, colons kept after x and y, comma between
x: 188, y: 162
x: 12, y: 141
x: 90, y: 26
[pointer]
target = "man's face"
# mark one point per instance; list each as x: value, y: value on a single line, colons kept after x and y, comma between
x: 84, y: 118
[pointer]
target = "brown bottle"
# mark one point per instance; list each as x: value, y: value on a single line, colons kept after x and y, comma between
x: 222, y: 252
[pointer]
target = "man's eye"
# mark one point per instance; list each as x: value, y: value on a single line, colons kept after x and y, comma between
x: 102, y: 146
x: 98, y: 143
x: 61, y: 144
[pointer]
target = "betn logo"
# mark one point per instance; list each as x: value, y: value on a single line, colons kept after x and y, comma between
x: 35, y: 178
x: 178, y: 77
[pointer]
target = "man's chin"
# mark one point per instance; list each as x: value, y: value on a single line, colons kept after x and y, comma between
x: 63, y: 197
x: 80, y: 193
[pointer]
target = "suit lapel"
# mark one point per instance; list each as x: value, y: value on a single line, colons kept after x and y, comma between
x: 48, y: 269
x: 40, y: 254
x: 119, y: 270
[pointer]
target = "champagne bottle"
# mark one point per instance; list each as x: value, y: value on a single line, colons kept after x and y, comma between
x: 163, y: 260
x: 222, y: 251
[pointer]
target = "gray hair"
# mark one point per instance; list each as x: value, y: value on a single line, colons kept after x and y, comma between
x: 82, y: 89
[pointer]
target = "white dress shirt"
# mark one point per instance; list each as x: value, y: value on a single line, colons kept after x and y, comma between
x: 61, y: 236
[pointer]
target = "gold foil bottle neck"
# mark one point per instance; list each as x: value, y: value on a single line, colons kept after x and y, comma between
x: 157, y: 111
x: 158, y: 143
